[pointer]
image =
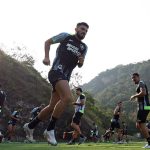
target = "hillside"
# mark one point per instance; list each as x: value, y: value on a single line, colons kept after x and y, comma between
x: 24, y: 85
x: 115, y: 85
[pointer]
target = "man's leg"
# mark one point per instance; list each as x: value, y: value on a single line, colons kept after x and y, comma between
x: 141, y: 117
x: 44, y: 114
x: 144, y: 131
x: 76, y: 127
x: 63, y: 90
x: 9, y: 128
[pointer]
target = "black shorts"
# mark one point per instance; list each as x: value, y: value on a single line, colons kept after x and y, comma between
x: 55, y: 76
x: 115, y: 124
x: 142, y: 115
x: 13, y: 123
x: 1, y: 114
x: 77, y: 118
x: 124, y: 132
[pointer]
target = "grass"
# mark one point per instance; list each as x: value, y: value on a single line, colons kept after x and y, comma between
x: 87, y: 146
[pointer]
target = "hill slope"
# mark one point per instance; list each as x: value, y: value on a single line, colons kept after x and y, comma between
x: 114, y: 85
x: 25, y: 86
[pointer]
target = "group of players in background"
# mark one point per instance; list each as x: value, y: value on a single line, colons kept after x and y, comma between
x: 70, y: 53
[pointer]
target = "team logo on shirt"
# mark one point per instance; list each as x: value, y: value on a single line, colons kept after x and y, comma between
x: 59, y: 67
x: 73, y: 49
x: 82, y: 46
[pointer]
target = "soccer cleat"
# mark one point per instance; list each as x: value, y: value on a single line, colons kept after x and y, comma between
x: 50, y: 136
x: 146, y: 146
x: 82, y: 140
x: 29, y: 133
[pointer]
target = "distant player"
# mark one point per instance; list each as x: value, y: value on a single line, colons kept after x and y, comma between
x: 79, y: 111
x: 3, y: 103
x: 148, y: 127
x: 12, y: 123
x: 115, y: 121
x: 94, y: 132
x: 143, y: 102
x: 35, y: 111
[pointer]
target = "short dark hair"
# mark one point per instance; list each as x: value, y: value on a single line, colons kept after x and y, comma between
x: 82, y: 23
x: 136, y: 74
x: 79, y: 89
x: 119, y: 102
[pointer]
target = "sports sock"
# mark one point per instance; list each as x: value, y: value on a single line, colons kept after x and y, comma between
x: 82, y: 136
x: 34, y: 123
x: 52, y: 123
x: 148, y: 140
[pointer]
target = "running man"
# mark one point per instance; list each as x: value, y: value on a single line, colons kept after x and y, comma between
x: 70, y: 53
x: 79, y: 111
x: 115, y: 121
x: 143, y: 101
x: 14, y: 118
x: 35, y: 111
x: 3, y: 103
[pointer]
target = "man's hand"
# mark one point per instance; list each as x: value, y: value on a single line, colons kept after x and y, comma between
x: 80, y: 61
x: 132, y: 97
x: 73, y: 103
x: 46, y: 61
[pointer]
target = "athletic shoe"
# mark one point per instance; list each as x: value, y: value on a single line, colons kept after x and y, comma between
x: 120, y: 142
x: 29, y: 133
x: 50, y: 136
x: 146, y: 146
x: 82, y: 140
x: 70, y: 142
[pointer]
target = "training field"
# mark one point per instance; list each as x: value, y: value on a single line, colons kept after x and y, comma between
x: 86, y: 146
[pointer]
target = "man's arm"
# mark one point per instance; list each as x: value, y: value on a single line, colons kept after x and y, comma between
x: 116, y: 110
x: 81, y: 61
x: 46, y: 60
x: 81, y: 58
x: 141, y: 93
x: 82, y: 98
x: 55, y: 39
x: 79, y: 104
x: 6, y: 105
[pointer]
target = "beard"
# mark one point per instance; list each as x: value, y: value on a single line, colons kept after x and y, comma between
x: 81, y: 37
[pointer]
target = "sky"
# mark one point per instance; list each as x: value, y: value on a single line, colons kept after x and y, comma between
x: 119, y: 30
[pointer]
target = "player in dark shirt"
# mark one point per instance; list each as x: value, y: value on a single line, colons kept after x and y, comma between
x: 143, y: 106
x: 14, y: 119
x: 35, y: 111
x: 115, y: 122
x: 70, y: 53
x: 3, y: 102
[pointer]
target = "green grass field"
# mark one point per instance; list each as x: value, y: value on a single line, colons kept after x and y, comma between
x: 86, y: 146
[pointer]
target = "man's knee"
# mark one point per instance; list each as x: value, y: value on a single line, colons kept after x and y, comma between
x: 72, y: 124
x: 138, y: 126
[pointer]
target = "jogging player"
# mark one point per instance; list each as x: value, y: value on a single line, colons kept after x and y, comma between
x: 14, y: 118
x: 115, y: 121
x: 3, y: 103
x: 143, y: 101
x: 35, y: 111
x: 79, y: 111
x: 70, y: 53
